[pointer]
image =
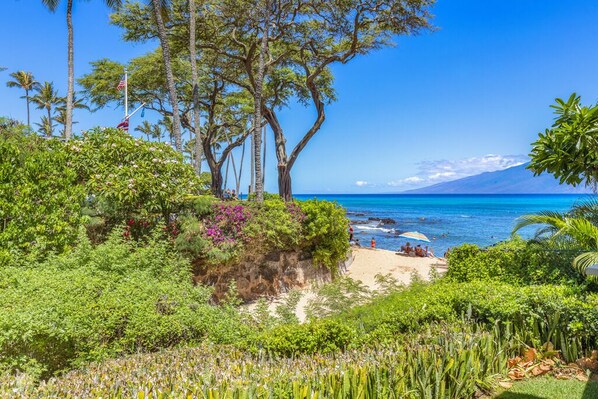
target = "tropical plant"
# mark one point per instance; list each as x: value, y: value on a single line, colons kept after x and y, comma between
x: 129, y: 177
x: 47, y: 98
x: 52, y: 5
x: 198, y: 146
x: 159, y: 7
x: 569, y: 149
x: 24, y: 80
x: 40, y: 200
x: 45, y: 125
x: 151, y: 130
x: 60, y: 118
x: 571, y: 230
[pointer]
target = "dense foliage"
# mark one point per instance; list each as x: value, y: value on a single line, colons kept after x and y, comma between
x: 442, y: 362
x: 568, y: 149
x: 515, y: 261
x: 126, y: 177
x: 40, y: 202
x: 104, y: 301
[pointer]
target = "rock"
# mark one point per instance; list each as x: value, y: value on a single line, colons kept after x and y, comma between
x: 359, y: 222
x: 383, y: 221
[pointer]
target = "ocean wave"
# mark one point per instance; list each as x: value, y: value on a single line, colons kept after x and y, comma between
x: 373, y: 228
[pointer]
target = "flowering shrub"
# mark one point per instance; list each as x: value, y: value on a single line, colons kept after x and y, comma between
x: 227, y: 223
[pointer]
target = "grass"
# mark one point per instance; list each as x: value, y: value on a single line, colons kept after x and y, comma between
x: 551, y: 388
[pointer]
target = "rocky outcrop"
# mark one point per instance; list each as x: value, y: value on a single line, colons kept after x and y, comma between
x: 262, y: 275
x: 383, y: 221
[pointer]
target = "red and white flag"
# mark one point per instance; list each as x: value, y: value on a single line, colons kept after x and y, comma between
x: 121, y: 85
x: 124, y: 125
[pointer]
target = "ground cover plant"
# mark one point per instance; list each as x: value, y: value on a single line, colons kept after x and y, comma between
x: 442, y: 362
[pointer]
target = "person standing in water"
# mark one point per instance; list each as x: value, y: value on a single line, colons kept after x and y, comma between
x: 373, y: 243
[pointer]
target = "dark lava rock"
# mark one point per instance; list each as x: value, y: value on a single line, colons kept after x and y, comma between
x: 383, y: 221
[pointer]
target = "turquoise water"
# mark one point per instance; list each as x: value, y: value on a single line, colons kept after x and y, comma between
x: 448, y: 220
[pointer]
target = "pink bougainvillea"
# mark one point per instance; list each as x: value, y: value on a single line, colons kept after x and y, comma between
x: 227, y: 223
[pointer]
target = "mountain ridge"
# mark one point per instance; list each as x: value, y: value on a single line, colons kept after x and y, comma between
x: 513, y: 180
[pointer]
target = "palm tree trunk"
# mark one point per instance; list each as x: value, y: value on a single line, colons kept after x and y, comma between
x: 28, y: 113
x: 68, y: 127
x: 50, y: 128
x: 257, y: 120
x: 176, y: 119
x: 195, y: 77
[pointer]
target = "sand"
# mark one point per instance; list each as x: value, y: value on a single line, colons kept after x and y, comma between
x: 365, y: 264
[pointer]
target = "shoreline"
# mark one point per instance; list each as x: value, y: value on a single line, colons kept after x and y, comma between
x: 364, y: 265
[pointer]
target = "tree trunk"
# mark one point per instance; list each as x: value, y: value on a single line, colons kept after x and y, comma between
x: 68, y: 127
x: 285, y: 189
x: 174, y: 102
x: 257, y: 120
x: 195, y: 77
x: 28, y: 113
x: 50, y: 131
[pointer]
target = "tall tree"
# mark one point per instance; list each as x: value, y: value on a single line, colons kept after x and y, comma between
x: 52, y: 5
x: 46, y: 98
x: 158, y: 7
x: 45, y: 126
x: 264, y: 18
x: 194, y: 77
x: 25, y: 81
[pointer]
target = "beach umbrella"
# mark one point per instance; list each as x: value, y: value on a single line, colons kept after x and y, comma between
x: 414, y: 235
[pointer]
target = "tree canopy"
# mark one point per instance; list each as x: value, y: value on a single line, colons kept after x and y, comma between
x: 569, y: 149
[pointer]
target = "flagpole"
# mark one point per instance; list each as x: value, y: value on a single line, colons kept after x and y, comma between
x: 126, y: 94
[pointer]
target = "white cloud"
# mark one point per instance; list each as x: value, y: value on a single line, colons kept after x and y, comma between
x: 432, y: 172
x: 361, y: 183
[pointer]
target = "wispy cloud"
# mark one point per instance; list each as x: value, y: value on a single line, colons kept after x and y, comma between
x: 362, y: 183
x: 432, y: 172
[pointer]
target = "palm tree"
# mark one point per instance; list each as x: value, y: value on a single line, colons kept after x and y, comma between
x: 150, y: 130
x: 576, y: 229
x: 52, y: 5
x: 78, y: 103
x: 264, y: 12
x: 158, y: 7
x: 46, y: 98
x: 45, y: 126
x: 194, y: 77
x: 24, y: 80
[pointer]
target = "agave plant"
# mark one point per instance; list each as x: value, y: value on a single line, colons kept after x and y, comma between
x: 574, y: 230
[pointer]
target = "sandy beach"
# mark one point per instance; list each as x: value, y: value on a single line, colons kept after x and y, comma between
x: 365, y: 264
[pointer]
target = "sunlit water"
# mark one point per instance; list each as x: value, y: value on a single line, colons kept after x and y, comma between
x: 448, y: 220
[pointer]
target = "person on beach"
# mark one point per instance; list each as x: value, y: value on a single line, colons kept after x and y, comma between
x: 350, y: 233
x: 406, y: 248
x: 419, y: 251
x: 447, y: 253
x: 373, y: 243
x: 429, y: 252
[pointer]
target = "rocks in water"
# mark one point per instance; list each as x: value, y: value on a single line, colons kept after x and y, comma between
x: 383, y: 221
x: 359, y: 222
x: 359, y: 214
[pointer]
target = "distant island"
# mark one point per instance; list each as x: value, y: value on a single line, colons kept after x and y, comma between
x: 514, y: 180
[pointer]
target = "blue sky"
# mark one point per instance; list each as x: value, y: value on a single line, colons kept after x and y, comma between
x: 467, y: 98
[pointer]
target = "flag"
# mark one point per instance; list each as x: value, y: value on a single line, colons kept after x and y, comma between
x: 121, y: 85
x: 143, y: 112
x: 124, y: 125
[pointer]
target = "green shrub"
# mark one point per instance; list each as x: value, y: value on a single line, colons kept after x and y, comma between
x: 103, y: 302
x: 128, y: 177
x: 516, y: 261
x: 326, y: 231
x: 274, y: 226
x: 562, y: 315
x: 40, y: 202
x: 323, y: 336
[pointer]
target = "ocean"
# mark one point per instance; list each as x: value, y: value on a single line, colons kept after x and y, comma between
x: 447, y: 220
